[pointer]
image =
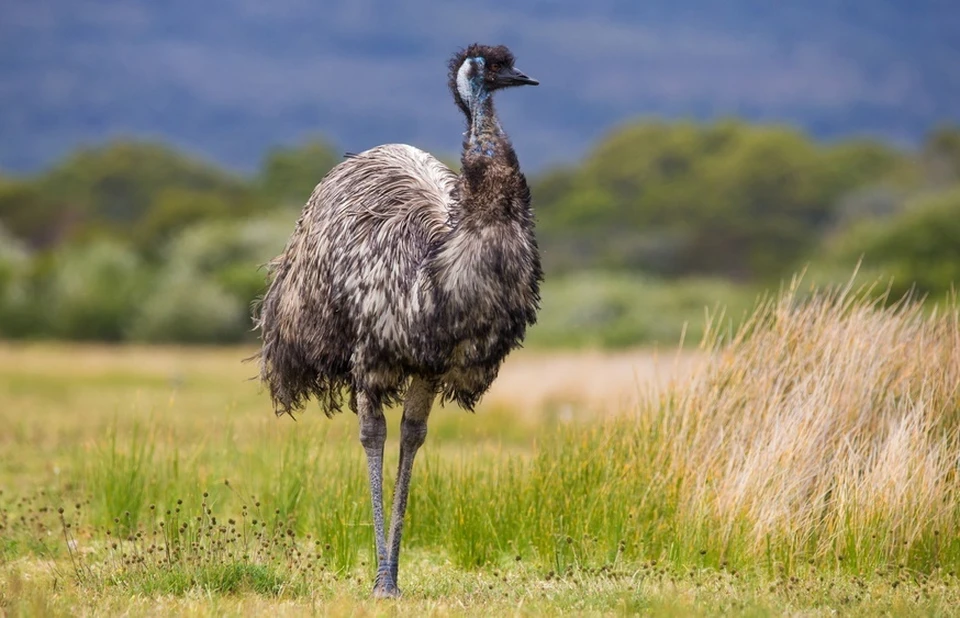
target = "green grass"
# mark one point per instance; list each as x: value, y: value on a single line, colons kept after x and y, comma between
x: 807, y: 467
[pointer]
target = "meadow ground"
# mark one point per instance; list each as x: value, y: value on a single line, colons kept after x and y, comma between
x: 808, y: 466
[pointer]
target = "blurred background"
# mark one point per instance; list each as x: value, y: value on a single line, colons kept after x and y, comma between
x: 682, y: 154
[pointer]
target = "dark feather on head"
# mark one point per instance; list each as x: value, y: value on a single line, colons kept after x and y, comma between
x: 494, y: 57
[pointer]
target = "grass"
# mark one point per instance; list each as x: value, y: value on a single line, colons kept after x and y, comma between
x: 806, y: 463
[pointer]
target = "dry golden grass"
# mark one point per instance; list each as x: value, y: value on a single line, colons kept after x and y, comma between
x: 589, y: 381
x: 823, y: 424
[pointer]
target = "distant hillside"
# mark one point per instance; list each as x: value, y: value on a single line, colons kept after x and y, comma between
x: 227, y: 79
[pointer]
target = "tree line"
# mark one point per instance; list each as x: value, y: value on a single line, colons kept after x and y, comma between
x: 137, y: 240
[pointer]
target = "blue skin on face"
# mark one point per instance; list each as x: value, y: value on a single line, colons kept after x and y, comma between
x: 480, y: 93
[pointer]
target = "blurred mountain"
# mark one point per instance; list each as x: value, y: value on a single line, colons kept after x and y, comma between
x: 226, y: 79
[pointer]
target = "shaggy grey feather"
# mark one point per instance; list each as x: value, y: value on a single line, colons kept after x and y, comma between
x: 403, y: 279
x: 399, y: 267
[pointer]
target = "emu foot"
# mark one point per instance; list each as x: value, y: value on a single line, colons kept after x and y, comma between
x: 385, y: 585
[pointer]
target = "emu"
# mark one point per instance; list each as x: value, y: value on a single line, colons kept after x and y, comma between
x: 403, y: 281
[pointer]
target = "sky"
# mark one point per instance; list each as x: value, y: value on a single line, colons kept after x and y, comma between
x: 228, y: 79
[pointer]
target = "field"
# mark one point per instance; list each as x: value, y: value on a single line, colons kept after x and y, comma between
x: 807, y: 465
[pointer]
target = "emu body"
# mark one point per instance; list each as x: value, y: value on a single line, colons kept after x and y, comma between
x: 403, y: 281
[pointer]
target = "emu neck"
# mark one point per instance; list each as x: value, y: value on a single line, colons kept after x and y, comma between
x: 485, y: 131
x: 491, y: 187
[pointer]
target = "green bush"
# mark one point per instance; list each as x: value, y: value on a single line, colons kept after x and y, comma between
x: 186, y: 307
x: 726, y: 199
x: 174, y: 209
x: 231, y: 253
x: 93, y: 291
x: 212, y: 246
x: 211, y: 273
x: 113, y: 186
x: 289, y: 174
x: 14, y: 269
x: 13, y: 256
x: 596, y: 309
x: 100, y: 290
x: 919, y: 246
x: 27, y: 214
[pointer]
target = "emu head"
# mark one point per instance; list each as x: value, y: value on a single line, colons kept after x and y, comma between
x: 479, y: 70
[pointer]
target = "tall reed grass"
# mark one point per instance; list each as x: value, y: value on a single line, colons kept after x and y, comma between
x: 827, y: 427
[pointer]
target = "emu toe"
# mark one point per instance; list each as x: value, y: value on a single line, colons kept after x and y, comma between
x: 385, y: 585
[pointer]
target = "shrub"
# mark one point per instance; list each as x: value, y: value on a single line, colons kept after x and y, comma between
x: 13, y: 257
x: 289, y: 174
x: 231, y: 252
x: 14, y: 266
x: 918, y: 246
x: 187, y: 307
x: 211, y: 275
x: 92, y: 291
x: 617, y: 310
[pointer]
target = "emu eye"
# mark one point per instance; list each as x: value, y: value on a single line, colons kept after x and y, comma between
x: 495, y: 67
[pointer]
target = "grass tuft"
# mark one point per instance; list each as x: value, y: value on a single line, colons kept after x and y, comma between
x: 826, y: 429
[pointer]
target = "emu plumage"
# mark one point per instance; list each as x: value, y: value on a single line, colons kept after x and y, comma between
x: 403, y: 280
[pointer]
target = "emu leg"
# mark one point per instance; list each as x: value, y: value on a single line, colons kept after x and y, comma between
x: 413, y: 432
x: 373, y: 433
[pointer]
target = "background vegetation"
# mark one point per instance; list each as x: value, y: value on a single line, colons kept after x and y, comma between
x: 135, y: 241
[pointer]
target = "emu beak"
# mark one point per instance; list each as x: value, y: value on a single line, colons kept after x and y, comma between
x: 509, y: 76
